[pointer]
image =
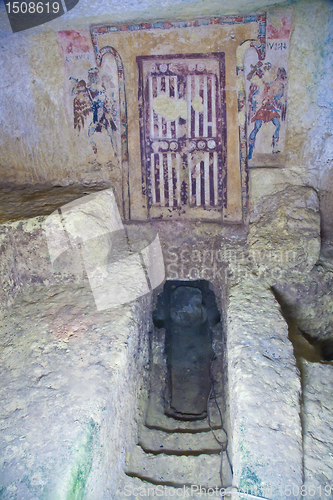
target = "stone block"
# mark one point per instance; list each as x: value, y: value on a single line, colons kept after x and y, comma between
x: 284, y: 233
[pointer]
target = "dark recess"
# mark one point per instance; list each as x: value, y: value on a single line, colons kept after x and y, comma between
x: 187, y: 310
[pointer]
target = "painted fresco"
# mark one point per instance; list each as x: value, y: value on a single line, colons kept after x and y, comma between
x: 92, y: 105
x: 266, y: 81
x: 92, y: 97
x: 184, y: 141
x: 186, y: 129
x: 182, y: 101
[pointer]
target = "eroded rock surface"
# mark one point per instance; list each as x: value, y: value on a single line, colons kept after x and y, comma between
x: 264, y: 392
x: 284, y: 233
x: 69, y: 392
x: 318, y: 429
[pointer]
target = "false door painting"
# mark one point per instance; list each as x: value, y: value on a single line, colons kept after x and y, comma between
x: 183, y: 135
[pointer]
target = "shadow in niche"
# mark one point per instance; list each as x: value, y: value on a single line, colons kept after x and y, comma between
x: 305, y: 346
x: 187, y: 310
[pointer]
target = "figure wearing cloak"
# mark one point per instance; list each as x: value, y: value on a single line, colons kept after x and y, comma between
x: 273, y: 105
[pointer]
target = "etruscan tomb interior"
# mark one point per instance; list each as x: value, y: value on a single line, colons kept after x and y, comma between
x: 166, y: 236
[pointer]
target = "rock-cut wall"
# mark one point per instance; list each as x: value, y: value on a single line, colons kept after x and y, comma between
x: 72, y: 378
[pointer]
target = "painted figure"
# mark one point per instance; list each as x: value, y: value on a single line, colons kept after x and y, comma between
x: 269, y: 89
x: 92, y: 99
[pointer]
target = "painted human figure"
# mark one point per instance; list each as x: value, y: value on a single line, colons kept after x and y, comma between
x: 101, y: 108
x: 82, y: 104
x: 92, y: 98
x: 272, y: 108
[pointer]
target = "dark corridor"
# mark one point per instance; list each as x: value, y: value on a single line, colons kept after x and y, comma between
x: 187, y: 310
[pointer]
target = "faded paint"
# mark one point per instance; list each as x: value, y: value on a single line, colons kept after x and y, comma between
x: 197, y: 39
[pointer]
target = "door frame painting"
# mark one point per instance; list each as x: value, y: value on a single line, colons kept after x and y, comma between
x: 210, y: 183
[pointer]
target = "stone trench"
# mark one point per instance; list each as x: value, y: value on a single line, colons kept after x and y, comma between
x: 166, y: 251
x: 85, y: 392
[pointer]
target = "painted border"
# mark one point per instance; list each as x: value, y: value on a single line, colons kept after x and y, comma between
x: 205, y: 21
x: 123, y: 124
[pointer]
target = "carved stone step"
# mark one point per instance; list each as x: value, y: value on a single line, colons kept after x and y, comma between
x: 156, y: 419
x: 132, y: 488
x: 202, y: 470
x: 154, y: 441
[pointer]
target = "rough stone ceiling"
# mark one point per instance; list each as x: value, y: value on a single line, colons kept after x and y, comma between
x: 115, y: 11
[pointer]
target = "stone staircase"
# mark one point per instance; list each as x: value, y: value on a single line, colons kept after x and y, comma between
x: 173, y: 454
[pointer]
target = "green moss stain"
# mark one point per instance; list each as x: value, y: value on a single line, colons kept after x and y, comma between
x: 249, y: 482
x: 82, y: 465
